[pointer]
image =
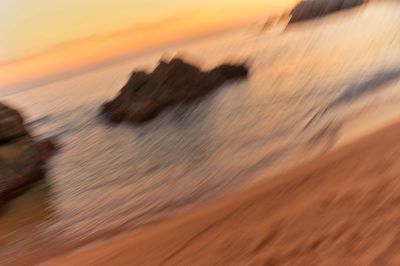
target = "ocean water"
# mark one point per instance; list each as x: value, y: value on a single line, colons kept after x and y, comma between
x: 306, y: 83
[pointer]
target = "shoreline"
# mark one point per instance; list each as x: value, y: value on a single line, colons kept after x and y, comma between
x: 340, y: 181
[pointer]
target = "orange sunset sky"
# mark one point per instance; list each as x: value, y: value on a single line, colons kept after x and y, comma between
x: 46, y: 37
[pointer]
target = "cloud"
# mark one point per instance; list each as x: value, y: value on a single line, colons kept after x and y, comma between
x: 137, y: 28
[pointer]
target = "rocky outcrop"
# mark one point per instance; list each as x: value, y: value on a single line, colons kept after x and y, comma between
x: 145, y: 95
x: 22, y: 159
x: 311, y: 9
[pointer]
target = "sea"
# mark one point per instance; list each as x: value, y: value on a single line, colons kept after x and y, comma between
x: 312, y: 87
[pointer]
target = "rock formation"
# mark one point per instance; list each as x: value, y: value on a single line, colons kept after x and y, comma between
x: 145, y: 95
x: 22, y: 159
x: 311, y: 9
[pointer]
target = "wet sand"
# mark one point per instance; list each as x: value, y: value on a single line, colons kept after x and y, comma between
x: 340, y: 208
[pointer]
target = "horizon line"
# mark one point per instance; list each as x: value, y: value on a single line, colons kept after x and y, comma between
x: 26, y: 85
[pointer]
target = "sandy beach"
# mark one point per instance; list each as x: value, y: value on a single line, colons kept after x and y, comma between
x: 340, y: 208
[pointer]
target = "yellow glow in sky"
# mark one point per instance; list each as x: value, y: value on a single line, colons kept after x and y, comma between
x: 43, y: 36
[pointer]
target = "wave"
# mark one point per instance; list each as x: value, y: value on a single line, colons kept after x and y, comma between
x: 356, y: 90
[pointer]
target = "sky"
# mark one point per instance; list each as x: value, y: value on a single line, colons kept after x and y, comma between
x: 44, y: 37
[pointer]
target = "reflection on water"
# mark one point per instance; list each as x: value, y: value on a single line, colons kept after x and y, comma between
x: 108, y: 179
x: 22, y: 218
x: 15, y: 214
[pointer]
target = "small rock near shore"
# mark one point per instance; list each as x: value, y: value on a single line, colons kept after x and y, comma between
x: 22, y: 158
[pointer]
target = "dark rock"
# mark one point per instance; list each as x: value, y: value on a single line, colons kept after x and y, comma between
x: 11, y: 124
x: 22, y: 159
x: 311, y: 9
x: 145, y: 95
x: 352, y: 3
x: 48, y: 147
